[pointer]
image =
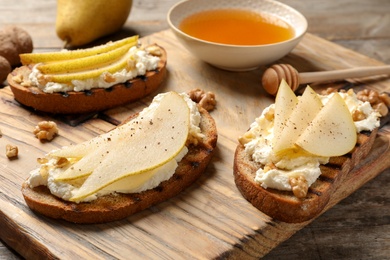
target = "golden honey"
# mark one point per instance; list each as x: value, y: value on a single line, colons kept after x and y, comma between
x: 237, y: 27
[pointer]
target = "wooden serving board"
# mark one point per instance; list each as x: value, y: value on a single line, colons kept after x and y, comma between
x: 208, y: 220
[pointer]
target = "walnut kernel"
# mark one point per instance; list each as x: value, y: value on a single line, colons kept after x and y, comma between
x: 46, y: 130
x: 42, y: 160
x: 328, y: 91
x: 379, y: 102
x: 299, y: 186
x: 385, y: 98
x: 270, y: 115
x: 61, y: 162
x: 358, y: 115
x: 108, y: 77
x: 153, y: 50
x: 204, y: 99
x: 11, y: 151
x: 246, y: 138
x: 381, y: 108
x: 18, y: 78
x: 269, y: 166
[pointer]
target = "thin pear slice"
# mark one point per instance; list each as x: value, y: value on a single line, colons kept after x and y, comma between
x: 96, y: 143
x: 34, y: 58
x: 85, y: 63
x: 332, y: 132
x: 85, y: 165
x: 88, y: 163
x: 118, y: 65
x: 133, y: 182
x: 160, y: 140
x: 84, y: 148
x: 285, y: 102
x: 308, y: 106
x: 99, y: 147
x: 80, y: 150
x: 73, y: 151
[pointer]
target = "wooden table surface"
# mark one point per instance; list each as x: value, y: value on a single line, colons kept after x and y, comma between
x: 356, y: 228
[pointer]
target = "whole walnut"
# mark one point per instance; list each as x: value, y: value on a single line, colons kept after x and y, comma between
x: 14, y: 41
x: 5, y: 69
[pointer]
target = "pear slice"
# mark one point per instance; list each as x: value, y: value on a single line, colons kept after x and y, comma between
x: 285, y: 102
x: 97, y: 143
x: 85, y: 63
x: 332, y: 132
x: 34, y: 58
x: 131, y: 182
x: 85, y: 166
x: 135, y: 181
x: 308, y: 106
x: 159, y: 141
x: 97, y: 147
x: 80, y: 150
x: 66, y: 78
x: 74, y: 151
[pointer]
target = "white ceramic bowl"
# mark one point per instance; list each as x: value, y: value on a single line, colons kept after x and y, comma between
x: 236, y: 57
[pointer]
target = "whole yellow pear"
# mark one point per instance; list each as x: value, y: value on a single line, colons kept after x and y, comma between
x: 80, y: 22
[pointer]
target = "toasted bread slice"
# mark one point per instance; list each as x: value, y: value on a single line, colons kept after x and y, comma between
x: 283, y: 205
x: 117, y: 206
x: 93, y: 100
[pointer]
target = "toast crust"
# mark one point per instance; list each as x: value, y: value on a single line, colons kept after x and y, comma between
x: 118, y: 206
x: 93, y: 100
x: 283, y: 205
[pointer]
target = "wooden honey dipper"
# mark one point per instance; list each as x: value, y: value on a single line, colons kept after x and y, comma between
x: 274, y: 75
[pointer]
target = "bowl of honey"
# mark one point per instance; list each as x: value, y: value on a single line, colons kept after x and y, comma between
x: 237, y: 35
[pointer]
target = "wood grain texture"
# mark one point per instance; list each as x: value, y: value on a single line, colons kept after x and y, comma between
x: 357, y: 227
x: 216, y: 220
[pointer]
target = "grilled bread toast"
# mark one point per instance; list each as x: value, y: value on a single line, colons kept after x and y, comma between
x: 119, y: 205
x: 77, y: 102
x: 283, y: 205
x: 289, y: 163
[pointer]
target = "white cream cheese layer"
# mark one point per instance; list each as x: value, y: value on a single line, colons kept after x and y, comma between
x: 64, y: 190
x: 259, y: 146
x: 47, y: 172
x: 143, y: 62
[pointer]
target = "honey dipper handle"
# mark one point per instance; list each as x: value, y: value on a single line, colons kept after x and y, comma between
x: 359, y: 72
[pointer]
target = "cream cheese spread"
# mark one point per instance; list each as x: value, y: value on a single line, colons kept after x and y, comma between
x: 47, y: 172
x: 259, y: 139
x: 144, y: 62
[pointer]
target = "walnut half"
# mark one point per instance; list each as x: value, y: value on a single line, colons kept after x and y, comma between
x: 380, y: 102
x: 204, y: 99
x: 46, y: 130
x: 11, y: 151
x: 299, y: 186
